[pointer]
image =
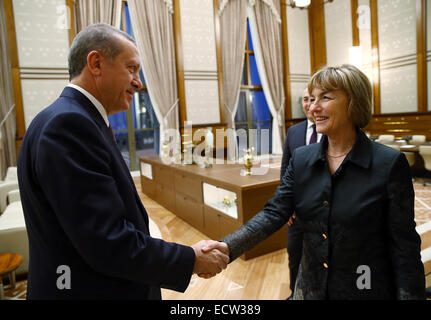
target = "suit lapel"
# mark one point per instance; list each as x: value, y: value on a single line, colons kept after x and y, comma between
x: 114, y: 147
x: 107, y: 134
x: 304, y: 133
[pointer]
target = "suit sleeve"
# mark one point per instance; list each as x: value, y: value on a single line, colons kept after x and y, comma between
x: 274, y: 215
x: 405, y: 243
x: 74, y: 167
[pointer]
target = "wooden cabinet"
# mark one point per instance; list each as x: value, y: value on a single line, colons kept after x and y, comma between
x: 188, y: 185
x: 217, y: 225
x: 215, y: 201
x: 165, y: 195
x: 148, y: 183
x: 189, y: 210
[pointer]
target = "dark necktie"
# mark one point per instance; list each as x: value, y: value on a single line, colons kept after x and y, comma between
x: 313, y: 138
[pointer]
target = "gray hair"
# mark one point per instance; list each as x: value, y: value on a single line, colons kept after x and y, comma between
x: 96, y: 37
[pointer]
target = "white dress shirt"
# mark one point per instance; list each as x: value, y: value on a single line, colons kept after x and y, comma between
x: 93, y: 100
x: 310, y: 132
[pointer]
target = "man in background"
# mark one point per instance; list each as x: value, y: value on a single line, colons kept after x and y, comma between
x: 88, y: 230
x: 298, y: 135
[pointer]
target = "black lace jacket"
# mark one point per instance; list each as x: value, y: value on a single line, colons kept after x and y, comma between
x: 360, y: 240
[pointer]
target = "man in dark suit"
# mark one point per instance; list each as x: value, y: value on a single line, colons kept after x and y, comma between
x: 298, y: 135
x: 87, y: 228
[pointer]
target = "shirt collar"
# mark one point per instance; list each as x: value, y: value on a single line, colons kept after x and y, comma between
x: 93, y: 100
x: 360, y: 153
x: 309, y: 123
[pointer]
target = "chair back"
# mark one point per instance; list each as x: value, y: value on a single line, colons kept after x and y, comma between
x: 5, y: 188
x: 386, y: 138
x: 11, y: 175
x: 424, y: 230
x: 418, y: 139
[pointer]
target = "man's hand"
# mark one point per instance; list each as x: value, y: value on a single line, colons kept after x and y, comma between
x: 291, y: 220
x: 212, y: 257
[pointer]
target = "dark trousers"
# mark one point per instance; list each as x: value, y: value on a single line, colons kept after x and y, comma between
x: 294, y: 250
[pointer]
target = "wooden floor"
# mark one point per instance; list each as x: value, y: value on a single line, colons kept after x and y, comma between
x: 262, y: 278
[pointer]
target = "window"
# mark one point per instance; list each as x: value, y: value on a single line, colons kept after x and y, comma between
x: 253, y: 111
x: 137, y: 130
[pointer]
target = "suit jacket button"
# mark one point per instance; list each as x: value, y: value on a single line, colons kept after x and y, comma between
x: 325, y: 265
x: 325, y: 203
x: 324, y: 236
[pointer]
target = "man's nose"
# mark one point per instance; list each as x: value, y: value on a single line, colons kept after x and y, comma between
x: 137, y: 83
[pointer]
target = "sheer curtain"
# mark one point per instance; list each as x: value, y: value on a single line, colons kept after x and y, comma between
x: 153, y: 28
x: 7, y: 106
x: 265, y: 28
x: 233, y: 31
x: 95, y: 11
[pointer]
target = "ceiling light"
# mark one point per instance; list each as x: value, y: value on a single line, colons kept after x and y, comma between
x: 302, y: 3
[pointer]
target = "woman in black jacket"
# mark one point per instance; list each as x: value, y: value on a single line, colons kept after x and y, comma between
x: 353, y: 198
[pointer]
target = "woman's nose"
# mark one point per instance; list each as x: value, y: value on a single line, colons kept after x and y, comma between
x: 313, y: 106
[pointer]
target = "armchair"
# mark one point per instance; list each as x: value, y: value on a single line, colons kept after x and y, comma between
x: 386, y: 139
x: 5, y: 188
x: 11, y: 175
x: 418, y: 139
x: 13, y: 234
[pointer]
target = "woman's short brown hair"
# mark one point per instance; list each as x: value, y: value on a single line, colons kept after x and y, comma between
x: 354, y: 83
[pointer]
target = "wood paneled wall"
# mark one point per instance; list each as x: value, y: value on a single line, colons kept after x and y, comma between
x: 13, y: 53
x: 375, y: 55
x: 21, y: 73
x: 179, y: 63
x: 399, y: 124
x: 416, y: 123
x: 286, y: 69
x: 316, y: 20
x: 421, y: 34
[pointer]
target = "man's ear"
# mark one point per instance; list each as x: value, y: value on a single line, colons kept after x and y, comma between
x: 94, y: 62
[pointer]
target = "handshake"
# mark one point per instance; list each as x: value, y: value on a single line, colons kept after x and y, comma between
x: 212, y: 258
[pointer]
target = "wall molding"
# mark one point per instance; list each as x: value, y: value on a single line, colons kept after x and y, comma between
x: 200, y: 75
x: 299, y: 77
x: 44, y: 73
x: 398, y: 61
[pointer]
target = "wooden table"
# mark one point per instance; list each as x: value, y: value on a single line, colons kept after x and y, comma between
x: 187, y: 190
x: 9, y: 262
